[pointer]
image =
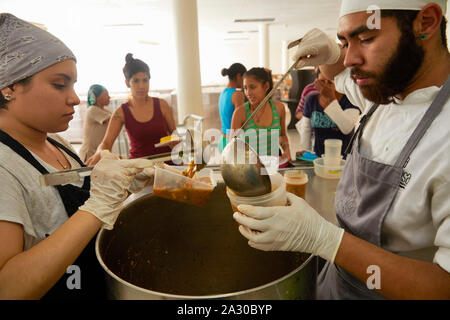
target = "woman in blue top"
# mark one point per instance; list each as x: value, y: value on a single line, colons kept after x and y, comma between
x: 231, y: 98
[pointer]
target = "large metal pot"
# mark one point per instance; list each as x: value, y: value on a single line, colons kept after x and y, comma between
x: 162, y: 249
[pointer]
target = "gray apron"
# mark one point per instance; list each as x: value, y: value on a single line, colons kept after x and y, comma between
x: 364, y: 196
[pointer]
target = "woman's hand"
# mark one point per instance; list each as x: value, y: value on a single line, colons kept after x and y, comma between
x: 111, y: 179
x: 172, y: 144
x: 327, y: 91
x: 92, y: 160
x: 286, y: 154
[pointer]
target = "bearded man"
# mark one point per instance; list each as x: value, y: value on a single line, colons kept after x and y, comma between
x: 392, y: 202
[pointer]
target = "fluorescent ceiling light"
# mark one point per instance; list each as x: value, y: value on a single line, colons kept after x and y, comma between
x: 233, y: 39
x: 242, y: 31
x: 255, y: 20
x: 153, y: 43
x: 124, y: 25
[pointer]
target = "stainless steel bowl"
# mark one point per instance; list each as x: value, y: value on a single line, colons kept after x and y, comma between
x: 162, y: 249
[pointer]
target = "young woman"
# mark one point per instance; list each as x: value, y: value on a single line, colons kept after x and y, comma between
x: 96, y: 120
x: 271, y: 117
x: 146, y: 119
x: 231, y: 98
x: 45, y: 230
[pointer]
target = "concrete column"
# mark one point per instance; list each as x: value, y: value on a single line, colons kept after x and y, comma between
x: 284, y: 56
x: 189, y: 91
x: 264, y: 50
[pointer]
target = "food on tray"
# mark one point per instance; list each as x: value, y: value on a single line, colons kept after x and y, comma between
x: 169, y: 138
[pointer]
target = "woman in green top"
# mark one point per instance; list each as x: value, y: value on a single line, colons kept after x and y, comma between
x: 268, y: 122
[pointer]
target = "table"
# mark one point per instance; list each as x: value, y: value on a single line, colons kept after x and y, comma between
x: 320, y: 194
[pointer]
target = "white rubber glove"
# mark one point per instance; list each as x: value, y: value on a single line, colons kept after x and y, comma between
x: 316, y: 49
x: 110, y: 179
x: 297, y: 227
x: 142, y: 180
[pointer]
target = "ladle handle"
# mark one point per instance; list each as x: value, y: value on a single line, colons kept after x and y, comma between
x: 267, y: 97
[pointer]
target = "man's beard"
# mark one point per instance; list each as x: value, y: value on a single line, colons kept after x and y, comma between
x: 398, y: 73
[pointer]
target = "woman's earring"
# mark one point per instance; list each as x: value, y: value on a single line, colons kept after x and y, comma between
x: 423, y: 36
x: 8, y: 97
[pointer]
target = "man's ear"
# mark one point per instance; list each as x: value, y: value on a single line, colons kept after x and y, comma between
x: 428, y: 22
x: 127, y: 82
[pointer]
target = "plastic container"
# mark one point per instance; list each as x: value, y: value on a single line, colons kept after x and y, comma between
x: 333, y: 148
x: 271, y: 164
x: 331, y: 161
x: 277, y: 197
x: 328, y: 172
x: 284, y: 162
x: 171, y: 184
x: 296, y: 181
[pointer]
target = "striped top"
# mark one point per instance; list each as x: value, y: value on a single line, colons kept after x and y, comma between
x: 263, y: 139
x: 308, y: 90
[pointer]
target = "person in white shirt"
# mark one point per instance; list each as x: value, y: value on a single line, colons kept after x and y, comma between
x: 326, y: 120
x: 96, y: 121
x: 392, y: 202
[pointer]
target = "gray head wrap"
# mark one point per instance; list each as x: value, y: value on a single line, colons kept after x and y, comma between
x: 26, y: 49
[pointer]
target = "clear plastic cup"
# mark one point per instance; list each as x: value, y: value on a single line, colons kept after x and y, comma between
x: 277, y: 197
x: 296, y: 181
x: 331, y: 161
x: 171, y: 184
x: 333, y: 148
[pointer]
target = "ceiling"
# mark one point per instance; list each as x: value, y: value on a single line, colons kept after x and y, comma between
x: 101, y: 32
x: 292, y: 17
x: 149, y: 17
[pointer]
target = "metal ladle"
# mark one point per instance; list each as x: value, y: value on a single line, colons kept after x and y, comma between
x: 241, y: 166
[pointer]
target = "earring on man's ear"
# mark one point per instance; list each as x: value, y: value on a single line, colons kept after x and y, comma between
x: 423, y: 36
x: 8, y: 97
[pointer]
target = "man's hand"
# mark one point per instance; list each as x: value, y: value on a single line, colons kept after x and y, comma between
x: 316, y: 49
x: 297, y: 227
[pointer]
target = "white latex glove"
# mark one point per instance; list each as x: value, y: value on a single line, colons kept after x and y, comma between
x: 110, y: 179
x: 297, y: 227
x: 142, y: 180
x: 319, y: 47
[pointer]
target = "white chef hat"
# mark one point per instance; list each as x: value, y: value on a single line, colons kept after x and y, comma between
x: 352, y: 6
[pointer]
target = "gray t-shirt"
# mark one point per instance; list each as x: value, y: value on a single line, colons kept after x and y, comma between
x: 95, y: 125
x: 38, y: 209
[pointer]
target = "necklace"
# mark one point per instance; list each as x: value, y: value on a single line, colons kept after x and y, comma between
x: 257, y: 117
x: 64, y: 167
